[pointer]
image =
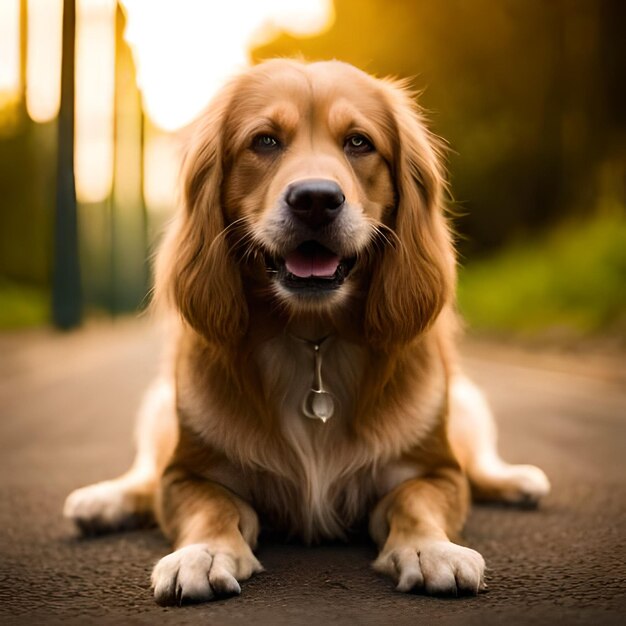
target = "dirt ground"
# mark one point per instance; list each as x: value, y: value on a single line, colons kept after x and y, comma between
x: 66, y: 416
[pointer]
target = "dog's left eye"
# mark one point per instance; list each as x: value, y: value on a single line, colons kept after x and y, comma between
x: 265, y: 143
x: 358, y: 144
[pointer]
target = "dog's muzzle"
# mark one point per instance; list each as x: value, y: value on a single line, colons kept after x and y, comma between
x: 314, y: 264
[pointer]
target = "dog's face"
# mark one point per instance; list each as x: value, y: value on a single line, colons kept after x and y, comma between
x: 309, y: 171
x: 321, y: 183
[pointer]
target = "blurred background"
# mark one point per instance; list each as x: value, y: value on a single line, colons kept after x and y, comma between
x: 530, y: 96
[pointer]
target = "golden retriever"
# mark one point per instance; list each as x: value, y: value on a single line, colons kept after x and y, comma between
x: 314, y: 380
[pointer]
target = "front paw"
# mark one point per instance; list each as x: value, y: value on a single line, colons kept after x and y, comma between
x: 437, y: 567
x: 198, y: 573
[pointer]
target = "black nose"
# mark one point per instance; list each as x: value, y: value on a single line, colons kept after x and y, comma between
x: 316, y: 202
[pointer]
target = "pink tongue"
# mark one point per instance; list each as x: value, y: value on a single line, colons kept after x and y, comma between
x: 320, y: 262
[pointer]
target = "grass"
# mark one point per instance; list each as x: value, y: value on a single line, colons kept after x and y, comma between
x: 571, y: 282
x: 22, y: 306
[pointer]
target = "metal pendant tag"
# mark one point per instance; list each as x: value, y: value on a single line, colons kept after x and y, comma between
x: 318, y: 404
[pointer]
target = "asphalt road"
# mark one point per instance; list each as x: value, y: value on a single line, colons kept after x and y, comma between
x: 66, y: 415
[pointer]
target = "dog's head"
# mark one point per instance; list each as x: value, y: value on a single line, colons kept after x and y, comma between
x: 315, y: 185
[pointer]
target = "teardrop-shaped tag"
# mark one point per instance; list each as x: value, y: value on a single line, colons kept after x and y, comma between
x: 319, y: 405
x: 322, y: 405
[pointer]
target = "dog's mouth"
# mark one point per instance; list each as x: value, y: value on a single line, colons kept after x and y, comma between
x: 311, y: 267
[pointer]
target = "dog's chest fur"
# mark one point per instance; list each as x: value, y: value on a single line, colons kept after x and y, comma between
x: 333, y: 477
x: 326, y: 479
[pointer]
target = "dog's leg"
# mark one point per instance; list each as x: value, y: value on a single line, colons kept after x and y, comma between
x: 128, y: 501
x: 472, y: 433
x: 412, y: 525
x: 213, y: 532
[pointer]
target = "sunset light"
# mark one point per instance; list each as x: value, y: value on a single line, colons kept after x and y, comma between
x: 185, y: 50
x: 43, y: 59
x: 9, y: 51
x: 95, y: 77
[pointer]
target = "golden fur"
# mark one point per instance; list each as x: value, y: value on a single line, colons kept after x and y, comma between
x: 239, y: 448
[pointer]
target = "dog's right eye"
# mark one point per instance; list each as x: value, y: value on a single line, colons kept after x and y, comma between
x: 265, y: 143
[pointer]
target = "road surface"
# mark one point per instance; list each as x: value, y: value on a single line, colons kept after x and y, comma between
x: 66, y: 415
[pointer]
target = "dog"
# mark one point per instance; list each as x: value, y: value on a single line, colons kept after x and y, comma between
x: 313, y: 381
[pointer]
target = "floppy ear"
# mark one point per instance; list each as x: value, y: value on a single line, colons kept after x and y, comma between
x: 416, y: 275
x: 196, y: 271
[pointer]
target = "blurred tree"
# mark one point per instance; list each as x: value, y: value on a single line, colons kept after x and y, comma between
x: 66, y: 291
x: 27, y: 156
x: 42, y: 240
x: 113, y: 232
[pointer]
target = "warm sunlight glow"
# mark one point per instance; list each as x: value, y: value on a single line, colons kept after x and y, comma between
x: 185, y: 50
x: 95, y: 78
x: 161, y: 167
x: 301, y: 18
x: 43, y: 59
x: 9, y: 51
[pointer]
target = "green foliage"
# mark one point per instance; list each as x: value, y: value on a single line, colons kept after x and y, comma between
x: 22, y: 305
x: 572, y: 281
x: 26, y: 202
